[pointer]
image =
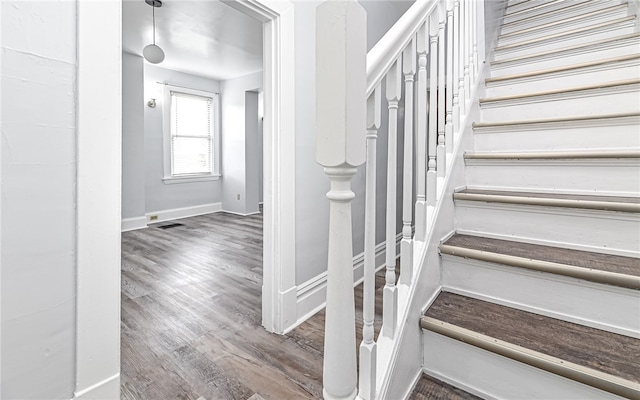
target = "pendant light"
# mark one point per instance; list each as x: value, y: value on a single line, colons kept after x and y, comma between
x: 153, y: 53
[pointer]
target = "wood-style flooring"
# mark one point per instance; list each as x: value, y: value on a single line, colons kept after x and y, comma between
x: 191, y: 317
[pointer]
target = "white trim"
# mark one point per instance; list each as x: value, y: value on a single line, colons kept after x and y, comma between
x: 240, y: 214
x: 182, y: 212
x: 459, y: 384
x: 311, y: 295
x: 101, y: 390
x: 413, y: 385
x: 98, y: 196
x: 172, y: 180
x: 131, y: 224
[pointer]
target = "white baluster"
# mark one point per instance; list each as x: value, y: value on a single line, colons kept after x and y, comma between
x: 390, y: 293
x: 422, y: 47
x: 368, y: 347
x: 406, y: 246
x: 473, y: 46
x: 433, y: 111
x: 476, y: 59
x: 455, y: 65
x: 441, y: 150
x: 467, y: 48
x: 448, y: 134
x: 341, y: 146
x: 461, y: 59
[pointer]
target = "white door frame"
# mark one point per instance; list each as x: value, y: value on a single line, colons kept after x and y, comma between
x: 99, y: 152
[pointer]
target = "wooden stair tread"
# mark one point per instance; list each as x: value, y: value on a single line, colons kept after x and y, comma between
x: 555, y: 120
x: 430, y: 388
x: 602, y: 351
x: 552, y: 155
x: 560, y: 196
x: 576, y: 258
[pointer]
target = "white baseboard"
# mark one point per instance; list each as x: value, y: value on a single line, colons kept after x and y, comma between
x: 108, y: 389
x: 130, y: 224
x: 312, y: 294
x: 239, y: 213
x: 184, y: 212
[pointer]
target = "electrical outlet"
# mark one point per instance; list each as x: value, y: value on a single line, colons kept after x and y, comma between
x: 153, y: 217
x: 238, y: 196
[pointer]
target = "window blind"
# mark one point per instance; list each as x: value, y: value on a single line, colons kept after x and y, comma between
x: 191, y: 134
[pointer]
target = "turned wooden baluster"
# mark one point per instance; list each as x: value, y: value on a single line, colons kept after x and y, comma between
x: 441, y: 150
x: 368, y: 347
x: 448, y: 132
x: 390, y: 293
x: 422, y: 47
x: 433, y: 111
x: 340, y: 120
x: 406, y: 246
x: 455, y: 66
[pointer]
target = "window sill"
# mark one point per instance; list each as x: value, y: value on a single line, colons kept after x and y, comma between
x: 171, y: 180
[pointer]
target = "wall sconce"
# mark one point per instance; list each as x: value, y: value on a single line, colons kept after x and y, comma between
x: 151, y: 103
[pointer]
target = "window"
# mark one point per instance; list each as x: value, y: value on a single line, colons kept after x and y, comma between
x: 190, y: 135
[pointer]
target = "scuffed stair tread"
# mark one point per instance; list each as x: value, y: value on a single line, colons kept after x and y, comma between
x: 429, y: 388
x: 602, y: 351
x: 576, y: 258
x: 562, y: 196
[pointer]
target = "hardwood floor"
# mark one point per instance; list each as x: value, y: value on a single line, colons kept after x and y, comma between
x: 191, y: 317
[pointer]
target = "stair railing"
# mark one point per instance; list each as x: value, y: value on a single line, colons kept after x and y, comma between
x: 437, y: 41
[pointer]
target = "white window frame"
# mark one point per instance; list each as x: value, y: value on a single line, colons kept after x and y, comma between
x: 168, y: 178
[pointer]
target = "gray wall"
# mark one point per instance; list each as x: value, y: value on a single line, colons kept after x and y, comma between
x: 253, y: 150
x: 160, y: 196
x: 38, y: 73
x: 312, y: 207
x: 133, y: 105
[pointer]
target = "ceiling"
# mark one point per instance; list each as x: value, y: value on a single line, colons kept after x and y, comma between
x: 206, y: 38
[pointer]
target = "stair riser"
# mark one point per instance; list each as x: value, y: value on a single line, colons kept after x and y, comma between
x: 455, y: 362
x: 608, y: 101
x: 556, y: 138
x: 563, y: 60
x: 600, y: 306
x: 518, y: 7
x: 602, y: 177
x: 518, y: 13
x: 564, y: 27
x: 622, y: 28
x: 558, y: 15
x: 567, y: 79
x: 613, y: 232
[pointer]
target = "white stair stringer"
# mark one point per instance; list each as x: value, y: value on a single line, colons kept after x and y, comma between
x: 606, y: 307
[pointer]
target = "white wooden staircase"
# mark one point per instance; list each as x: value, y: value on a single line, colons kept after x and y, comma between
x: 540, y: 280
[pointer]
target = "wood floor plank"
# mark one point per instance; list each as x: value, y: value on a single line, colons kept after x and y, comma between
x: 429, y: 388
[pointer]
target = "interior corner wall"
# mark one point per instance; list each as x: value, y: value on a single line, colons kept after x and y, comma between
x: 133, y: 156
x: 234, y: 145
x: 252, y: 149
x: 312, y: 207
x: 158, y: 195
x: 38, y: 240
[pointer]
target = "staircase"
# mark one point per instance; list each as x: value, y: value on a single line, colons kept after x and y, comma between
x: 540, y: 280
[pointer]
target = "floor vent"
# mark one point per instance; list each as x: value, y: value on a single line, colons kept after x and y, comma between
x: 170, y: 226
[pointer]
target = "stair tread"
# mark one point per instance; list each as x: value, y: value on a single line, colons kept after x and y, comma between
x: 552, y: 155
x: 554, y: 120
x: 547, y: 13
x: 559, y: 196
x: 602, y: 351
x: 559, y: 255
x: 430, y: 388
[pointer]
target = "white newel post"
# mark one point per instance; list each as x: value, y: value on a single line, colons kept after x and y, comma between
x: 341, y: 49
x: 441, y: 151
x: 456, y: 63
x: 422, y: 47
x: 390, y: 293
x: 448, y: 134
x: 406, y: 246
x: 433, y: 110
x: 368, y: 348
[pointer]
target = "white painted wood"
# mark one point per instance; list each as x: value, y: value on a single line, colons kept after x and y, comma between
x: 390, y: 293
x: 131, y: 224
x: 575, y: 22
x: 596, y: 32
x: 613, y: 231
x: 586, y: 72
x: 183, y: 212
x: 422, y: 48
x: 533, y: 11
x: 449, y: 84
x: 622, y: 132
x: 605, y: 307
x: 462, y: 95
x: 101, y: 390
x: 441, y: 95
x: 340, y: 113
x: 506, y: 379
x: 516, y: 9
x: 596, y: 100
x: 614, y: 177
x: 432, y: 139
x: 406, y: 248
x: 468, y: 48
x: 368, y: 349
x: 98, y: 193
x: 455, y: 74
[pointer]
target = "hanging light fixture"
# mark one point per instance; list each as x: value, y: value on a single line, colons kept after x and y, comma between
x: 153, y: 53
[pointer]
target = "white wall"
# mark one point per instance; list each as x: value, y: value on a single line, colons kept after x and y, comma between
x: 133, y: 156
x: 253, y: 151
x: 239, y: 157
x: 38, y: 72
x: 160, y: 196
